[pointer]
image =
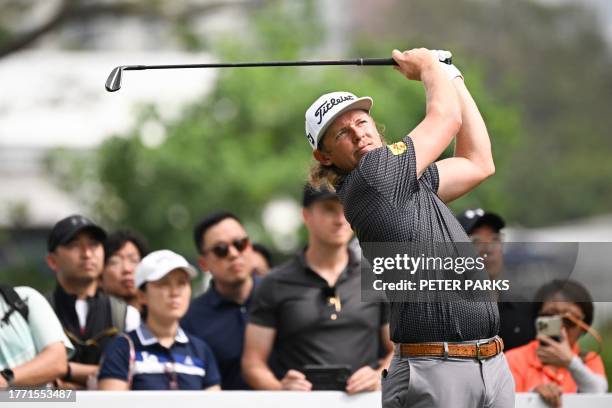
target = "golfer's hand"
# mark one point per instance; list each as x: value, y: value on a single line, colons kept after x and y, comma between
x: 295, y: 381
x: 550, y: 393
x: 414, y: 62
x: 364, y: 379
x: 555, y: 353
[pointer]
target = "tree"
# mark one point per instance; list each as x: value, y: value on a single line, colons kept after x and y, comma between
x: 67, y: 13
x: 551, y: 63
x: 244, y: 144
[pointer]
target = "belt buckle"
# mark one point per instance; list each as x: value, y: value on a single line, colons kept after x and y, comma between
x: 478, y: 344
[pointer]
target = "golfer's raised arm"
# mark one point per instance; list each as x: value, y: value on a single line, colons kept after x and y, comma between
x: 473, y: 160
x: 443, y: 113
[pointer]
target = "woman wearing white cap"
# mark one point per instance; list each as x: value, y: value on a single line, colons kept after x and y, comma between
x: 159, y: 355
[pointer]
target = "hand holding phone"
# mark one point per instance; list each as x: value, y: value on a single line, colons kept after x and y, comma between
x: 549, y: 326
x: 554, y: 348
x: 327, y: 377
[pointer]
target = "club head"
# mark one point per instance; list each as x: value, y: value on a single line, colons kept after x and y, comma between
x: 113, y: 83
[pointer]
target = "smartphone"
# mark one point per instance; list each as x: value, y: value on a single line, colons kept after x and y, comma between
x: 327, y: 377
x: 550, y: 326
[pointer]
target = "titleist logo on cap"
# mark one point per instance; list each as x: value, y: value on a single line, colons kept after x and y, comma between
x: 327, y: 105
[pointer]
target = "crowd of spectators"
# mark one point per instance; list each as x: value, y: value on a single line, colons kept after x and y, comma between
x: 122, y: 318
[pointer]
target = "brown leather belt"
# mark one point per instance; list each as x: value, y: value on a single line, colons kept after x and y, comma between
x: 479, y: 351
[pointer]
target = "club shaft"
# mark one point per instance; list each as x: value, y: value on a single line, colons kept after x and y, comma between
x: 357, y: 61
x: 113, y: 82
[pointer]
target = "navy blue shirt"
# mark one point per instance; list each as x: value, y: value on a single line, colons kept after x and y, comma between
x: 221, y: 323
x: 189, y: 362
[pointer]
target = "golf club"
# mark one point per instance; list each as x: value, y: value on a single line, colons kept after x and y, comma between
x: 113, y: 83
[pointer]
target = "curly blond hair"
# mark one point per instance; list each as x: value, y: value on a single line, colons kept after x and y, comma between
x: 320, y: 176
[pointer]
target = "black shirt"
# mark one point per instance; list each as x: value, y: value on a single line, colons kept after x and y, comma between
x: 90, y: 341
x: 384, y: 201
x: 295, y: 300
x: 517, y: 323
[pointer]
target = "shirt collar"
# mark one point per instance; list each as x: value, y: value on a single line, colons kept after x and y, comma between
x: 353, y: 266
x: 147, y: 338
x: 215, y: 299
x: 213, y: 296
x: 65, y: 296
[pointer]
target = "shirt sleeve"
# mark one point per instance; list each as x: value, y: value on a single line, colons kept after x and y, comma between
x: 132, y: 318
x: 115, y: 361
x: 431, y: 177
x: 391, y: 170
x: 264, y: 308
x: 212, y: 377
x: 44, y: 325
x: 590, y: 376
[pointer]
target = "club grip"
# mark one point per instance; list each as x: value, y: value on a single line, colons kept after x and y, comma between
x: 390, y: 61
x: 377, y: 61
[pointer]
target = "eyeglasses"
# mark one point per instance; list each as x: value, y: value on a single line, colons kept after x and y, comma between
x: 569, y: 320
x: 495, y: 238
x: 117, y: 261
x: 222, y: 250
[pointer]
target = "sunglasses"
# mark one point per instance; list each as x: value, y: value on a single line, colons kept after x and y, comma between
x: 222, y: 250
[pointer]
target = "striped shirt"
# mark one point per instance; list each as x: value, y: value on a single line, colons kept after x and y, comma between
x: 189, y: 362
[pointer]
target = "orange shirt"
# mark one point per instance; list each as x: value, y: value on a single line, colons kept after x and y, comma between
x: 529, y: 372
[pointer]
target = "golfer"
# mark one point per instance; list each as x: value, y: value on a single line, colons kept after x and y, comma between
x: 447, y: 352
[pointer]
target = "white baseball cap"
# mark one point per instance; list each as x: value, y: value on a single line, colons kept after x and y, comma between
x: 158, y: 264
x: 322, y: 113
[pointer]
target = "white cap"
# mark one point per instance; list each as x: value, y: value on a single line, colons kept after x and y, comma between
x: 158, y: 264
x: 327, y: 108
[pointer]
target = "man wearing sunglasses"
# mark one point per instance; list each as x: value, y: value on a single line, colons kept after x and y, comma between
x: 310, y: 310
x: 515, y: 318
x: 219, y: 315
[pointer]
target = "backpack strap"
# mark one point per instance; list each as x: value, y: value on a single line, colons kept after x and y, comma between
x: 50, y: 296
x: 118, y: 312
x: 15, y: 303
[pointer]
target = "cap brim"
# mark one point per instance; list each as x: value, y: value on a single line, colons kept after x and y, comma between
x: 364, y: 103
x: 163, y: 272
x: 97, y: 232
x: 320, y: 197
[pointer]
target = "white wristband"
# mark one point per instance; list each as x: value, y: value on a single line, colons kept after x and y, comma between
x: 451, y: 71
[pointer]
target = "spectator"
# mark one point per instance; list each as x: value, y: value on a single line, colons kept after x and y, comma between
x: 310, y: 310
x: 516, y: 318
x: 219, y: 315
x: 262, y: 260
x: 123, y: 250
x: 552, y: 368
x: 89, y: 317
x: 159, y: 355
x: 33, y: 347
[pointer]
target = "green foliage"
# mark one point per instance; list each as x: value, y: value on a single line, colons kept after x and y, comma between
x: 588, y: 342
x: 548, y: 60
x: 28, y: 274
x: 243, y: 144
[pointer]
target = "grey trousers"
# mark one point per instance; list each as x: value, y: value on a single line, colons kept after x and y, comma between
x: 419, y: 382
